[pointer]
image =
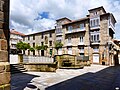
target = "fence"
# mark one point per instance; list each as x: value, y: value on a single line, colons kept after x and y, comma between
x: 37, y: 59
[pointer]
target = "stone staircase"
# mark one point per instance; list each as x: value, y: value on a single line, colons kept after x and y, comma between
x: 17, y: 68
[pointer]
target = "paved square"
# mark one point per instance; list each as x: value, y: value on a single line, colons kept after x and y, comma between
x: 95, y: 77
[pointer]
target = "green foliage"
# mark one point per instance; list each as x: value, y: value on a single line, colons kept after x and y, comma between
x: 22, y: 46
x: 31, y: 49
x: 58, y: 45
x: 44, y: 47
x: 38, y: 47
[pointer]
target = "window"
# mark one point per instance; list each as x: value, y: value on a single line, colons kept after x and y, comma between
x: 50, y: 34
x: 82, y: 26
x: 81, y: 49
x: 96, y: 49
x: 95, y: 37
x: 42, y: 36
x: 50, y: 43
x: 81, y: 39
x: 70, y: 50
x: 28, y: 37
x: 42, y: 43
x: 94, y: 22
x: 70, y: 28
x: 58, y: 30
x: 34, y: 52
x: 28, y: 52
x: 95, y: 13
x: 69, y: 39
x: 33, y: 44
x: 33, y: 37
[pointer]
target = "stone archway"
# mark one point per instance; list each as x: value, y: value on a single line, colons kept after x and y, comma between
x: 4, y: 43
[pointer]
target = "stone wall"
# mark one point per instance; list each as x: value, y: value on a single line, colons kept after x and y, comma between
x: 40, y: 67
x: 4, y: 38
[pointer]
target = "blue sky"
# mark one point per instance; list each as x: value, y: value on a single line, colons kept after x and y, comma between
x: 30, y: 16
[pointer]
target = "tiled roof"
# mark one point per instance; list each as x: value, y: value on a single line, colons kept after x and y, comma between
x: 13, y: 31
x: 73, y: 21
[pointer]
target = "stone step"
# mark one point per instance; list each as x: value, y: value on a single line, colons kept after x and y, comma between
x: 17, y: 68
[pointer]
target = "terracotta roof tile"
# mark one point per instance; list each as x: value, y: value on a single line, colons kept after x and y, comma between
x: 16, y: 32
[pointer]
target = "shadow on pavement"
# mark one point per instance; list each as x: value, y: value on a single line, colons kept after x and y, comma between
x: 20, y: 80
x: 106, y: 79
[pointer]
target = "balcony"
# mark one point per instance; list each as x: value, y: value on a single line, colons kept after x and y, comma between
x: 59, y: 38
x: 95, y: 27
x: 81, y: 43
x: 59, y: 33
x: 95, y: 50
x: 13, y: 42
x: 75, y: 30
x: 95, y: 42
x: 81, y: 50
x: 69, y: 44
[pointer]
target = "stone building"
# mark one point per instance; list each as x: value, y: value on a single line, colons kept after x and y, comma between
x: 4, y: 42
x: 41, y: 38
x: 90, y: 36
x: 15, y: 37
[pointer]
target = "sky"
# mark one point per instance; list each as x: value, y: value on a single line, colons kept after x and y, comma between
x: 30, y: 16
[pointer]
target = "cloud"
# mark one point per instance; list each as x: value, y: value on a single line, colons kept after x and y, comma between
x: 27, y: 16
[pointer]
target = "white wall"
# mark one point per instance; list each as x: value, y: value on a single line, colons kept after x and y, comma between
x: 14, y: 59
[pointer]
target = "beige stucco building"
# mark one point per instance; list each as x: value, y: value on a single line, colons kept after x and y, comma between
x: 15, y: 37
x: 91, y: 36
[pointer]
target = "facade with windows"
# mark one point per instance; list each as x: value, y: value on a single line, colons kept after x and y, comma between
x: 90, y: 36
x: 40, y: 39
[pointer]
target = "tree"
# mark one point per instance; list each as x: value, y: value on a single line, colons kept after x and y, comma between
x: 22, y: 46
x: 31, y: 49
x: 58, y: 45
x: 38, y: 48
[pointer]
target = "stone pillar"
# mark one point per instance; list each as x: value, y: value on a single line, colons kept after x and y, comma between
x: 4, y: 43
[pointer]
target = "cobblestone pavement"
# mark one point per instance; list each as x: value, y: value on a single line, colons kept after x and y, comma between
x: 95, y: 77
